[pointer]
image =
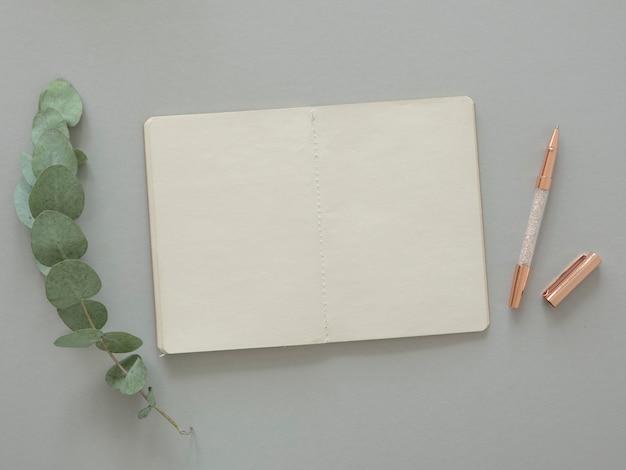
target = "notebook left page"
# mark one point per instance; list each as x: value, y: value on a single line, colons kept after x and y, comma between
x: 232, y: 200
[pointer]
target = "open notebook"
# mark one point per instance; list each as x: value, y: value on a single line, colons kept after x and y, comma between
x: 312, y: 225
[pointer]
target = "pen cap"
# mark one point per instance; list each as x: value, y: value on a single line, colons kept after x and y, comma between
x: 573, y: 275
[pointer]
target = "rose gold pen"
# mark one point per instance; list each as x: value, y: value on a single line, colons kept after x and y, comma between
x: 542, y: 189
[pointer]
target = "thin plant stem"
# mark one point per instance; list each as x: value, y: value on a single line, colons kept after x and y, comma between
x: 106, y: 348
x: 167, y: 417
x: 84, y: 305
x: 123, y: 369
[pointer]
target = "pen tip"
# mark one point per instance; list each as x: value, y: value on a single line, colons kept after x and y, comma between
x: 557, y: 126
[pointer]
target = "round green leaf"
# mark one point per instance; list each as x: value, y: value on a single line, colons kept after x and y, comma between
x: 56, y: 237
x: 74, y: 317
x: 144, y: 412
x: 57, y: 189
x: 26, y: 162
x: 53, y: 148
x: 119, y: 342
x: 79, y: 339
x: 21, y: 196
x: 46, y: 119
x: 132, y: 382
x: 62, y: 96
x: 80, y: 156
x: 71, y: 281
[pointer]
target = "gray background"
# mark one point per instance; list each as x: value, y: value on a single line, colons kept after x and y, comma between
x: 541, y: 388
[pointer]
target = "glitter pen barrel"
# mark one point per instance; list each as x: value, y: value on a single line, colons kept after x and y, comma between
x: 542, y: 190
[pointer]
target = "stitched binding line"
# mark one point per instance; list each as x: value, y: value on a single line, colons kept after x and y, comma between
x: 319, y: 224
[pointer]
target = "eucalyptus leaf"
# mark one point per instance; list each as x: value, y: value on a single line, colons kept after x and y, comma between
x: 119, y: 342
x: 46, y: 119
x: 53, y: 148
x: 133, y: 381
x: 150, y: 396
x: 80, y: 156
x: 71, y: 281
x: 62, y: 96
x: 144, y: 412
x: 26, y: 162
x: 79, y: 338
x: 42, y: 268
x: 56, y: 237
x: 57, y: 189
x: 21, y: 195
x: 76, y: 319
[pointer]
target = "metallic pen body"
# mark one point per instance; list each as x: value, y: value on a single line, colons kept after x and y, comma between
x: 542, y: 190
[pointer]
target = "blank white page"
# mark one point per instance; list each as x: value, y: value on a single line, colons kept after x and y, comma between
x: 402, y: 223
x: 234, y: 233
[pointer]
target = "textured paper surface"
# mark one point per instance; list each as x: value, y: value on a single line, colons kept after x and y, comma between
x: 311, y: 225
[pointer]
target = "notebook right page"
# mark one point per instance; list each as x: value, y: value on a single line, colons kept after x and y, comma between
x: 401, y: 219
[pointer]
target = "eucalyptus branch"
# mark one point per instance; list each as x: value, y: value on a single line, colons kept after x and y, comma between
x: 48, y: 200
